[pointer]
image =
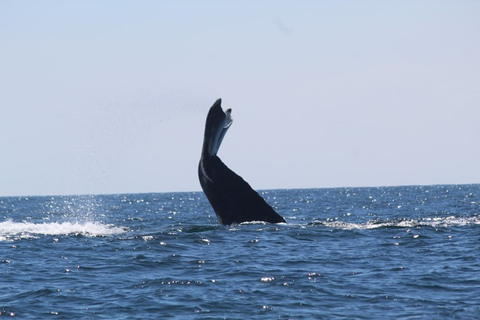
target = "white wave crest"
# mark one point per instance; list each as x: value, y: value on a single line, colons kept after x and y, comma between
x: 20, y: 230
x: 437, y: 222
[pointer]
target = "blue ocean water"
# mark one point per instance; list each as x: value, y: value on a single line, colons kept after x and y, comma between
x: 345, y: 253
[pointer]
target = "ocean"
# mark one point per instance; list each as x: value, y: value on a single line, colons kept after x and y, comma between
x: 408, y: 252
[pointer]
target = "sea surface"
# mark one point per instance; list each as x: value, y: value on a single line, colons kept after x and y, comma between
x: 345, y: 253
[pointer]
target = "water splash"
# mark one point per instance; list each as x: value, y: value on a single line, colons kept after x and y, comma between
x: 10, y: 230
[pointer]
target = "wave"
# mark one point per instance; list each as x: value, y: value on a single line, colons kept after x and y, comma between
x: 437, y: 222
x: 21, y: 230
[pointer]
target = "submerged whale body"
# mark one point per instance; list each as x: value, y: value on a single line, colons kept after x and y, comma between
x: 231, y: 197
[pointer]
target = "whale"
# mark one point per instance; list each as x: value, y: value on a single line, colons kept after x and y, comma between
x: 231, y: 197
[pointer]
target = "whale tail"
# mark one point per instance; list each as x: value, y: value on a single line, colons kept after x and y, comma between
x: 216, y: 127
x: 231, y: 197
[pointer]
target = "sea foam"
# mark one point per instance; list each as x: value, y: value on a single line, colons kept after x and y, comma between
x: 20, y: 230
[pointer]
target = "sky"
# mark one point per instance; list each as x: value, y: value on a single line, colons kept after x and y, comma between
x: 102, y: 97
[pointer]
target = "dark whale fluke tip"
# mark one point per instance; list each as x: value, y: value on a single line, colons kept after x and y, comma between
x: 231, y: 197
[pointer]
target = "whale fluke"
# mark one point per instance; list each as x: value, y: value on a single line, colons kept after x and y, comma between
x: 231, y: 197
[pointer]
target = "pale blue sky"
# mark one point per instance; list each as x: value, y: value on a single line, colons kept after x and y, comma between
x: 111, y: 96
